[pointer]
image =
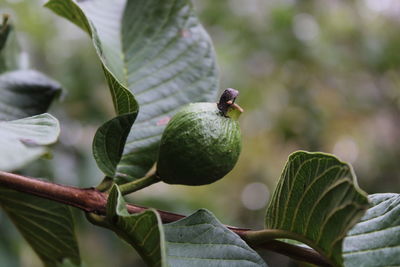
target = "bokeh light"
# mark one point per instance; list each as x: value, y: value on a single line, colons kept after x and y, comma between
x: 255, y: 196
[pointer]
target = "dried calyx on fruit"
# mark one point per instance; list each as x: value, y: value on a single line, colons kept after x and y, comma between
x: 201, y: 143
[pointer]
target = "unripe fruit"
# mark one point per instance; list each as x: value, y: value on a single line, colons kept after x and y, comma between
x: 201, y: 143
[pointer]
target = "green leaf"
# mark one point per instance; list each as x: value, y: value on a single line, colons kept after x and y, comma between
x: 25, y: 93
x: 109, y: 142
x: 317, y: 200
x: 143, y: 231
x: 158, y: 50
x: 201, y: 240
x: 46, y: 225
x: 106, y: 41
x: 25, y: 140
x: 375, y: 240
x: 197, y: 240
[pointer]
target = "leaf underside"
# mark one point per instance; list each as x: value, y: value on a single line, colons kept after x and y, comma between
x: 46, y: 225
x: 375, y: 240
x: 25, y: 140
x: 25, y: 93
x: 318, y: 200
x: 197, y: 240
x: 143, y: 231
x: 155, y: 50
x: 201, y: 240
x: 25, y: 136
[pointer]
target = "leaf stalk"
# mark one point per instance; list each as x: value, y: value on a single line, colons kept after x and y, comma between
x: 139, y: 184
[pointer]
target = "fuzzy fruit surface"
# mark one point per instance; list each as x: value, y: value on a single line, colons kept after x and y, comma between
x: 199, y: 146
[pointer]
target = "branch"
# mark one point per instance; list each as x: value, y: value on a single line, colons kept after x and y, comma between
x: 93, y: 201
x: 87, y: 199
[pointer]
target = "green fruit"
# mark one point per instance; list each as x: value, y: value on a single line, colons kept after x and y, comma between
x: 199, y: 145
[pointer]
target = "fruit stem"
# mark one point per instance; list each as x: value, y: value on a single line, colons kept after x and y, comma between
x: 105, y: 185
x: 97, y: 220
x: 138, y: 184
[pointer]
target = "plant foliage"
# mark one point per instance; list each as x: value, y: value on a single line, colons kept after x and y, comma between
x: 155, y: 53
x: 317, y: 199
x: 25, y: 135
x: 156, y: 57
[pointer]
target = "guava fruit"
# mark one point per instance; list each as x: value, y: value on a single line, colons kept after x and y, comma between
x: 201, y: 143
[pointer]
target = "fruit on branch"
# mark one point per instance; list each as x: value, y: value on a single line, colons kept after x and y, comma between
x: 201, y: 143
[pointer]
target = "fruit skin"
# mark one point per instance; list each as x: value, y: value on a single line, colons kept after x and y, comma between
x: 199, y: 146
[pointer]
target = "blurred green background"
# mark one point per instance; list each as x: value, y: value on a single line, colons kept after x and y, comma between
x: 313, y: 75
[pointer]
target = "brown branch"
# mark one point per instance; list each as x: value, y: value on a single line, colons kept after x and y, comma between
x: 93, y: 201
x: 86, y: 199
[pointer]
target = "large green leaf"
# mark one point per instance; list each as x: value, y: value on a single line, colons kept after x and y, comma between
x: 197, y: 240
x: 46, y: 225
x: 104, y: 30
x: 160, y: 52
x: 24, y: 140
x: 201, y: 240
x: 375, y: 240
x: 317, y: 201
x: 25, y: 93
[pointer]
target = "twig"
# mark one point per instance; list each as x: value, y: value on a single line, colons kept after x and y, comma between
x: 93, y: 201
